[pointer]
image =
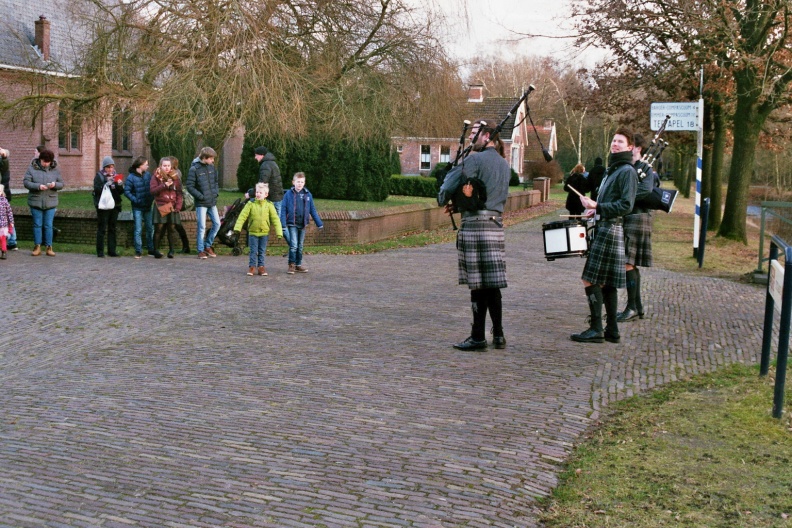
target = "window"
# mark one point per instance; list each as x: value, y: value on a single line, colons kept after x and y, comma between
x: 69, y: 128
x: 122, y: 120
x: 426, y: 157
x: 399, y: 148
x: 445, y: 154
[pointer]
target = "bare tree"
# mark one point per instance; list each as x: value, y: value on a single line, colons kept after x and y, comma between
x: 748, y: 39
x: 303, y: 66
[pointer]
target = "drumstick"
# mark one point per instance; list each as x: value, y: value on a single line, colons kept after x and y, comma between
x: 575, y: 190
x: 573, y: 216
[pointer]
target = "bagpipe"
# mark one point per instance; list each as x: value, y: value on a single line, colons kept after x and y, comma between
x: 659, y: 199
x: 471, y: 194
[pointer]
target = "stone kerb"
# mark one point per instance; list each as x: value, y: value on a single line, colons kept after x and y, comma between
x: 340, y: 227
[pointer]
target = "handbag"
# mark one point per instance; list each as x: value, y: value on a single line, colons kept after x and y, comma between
x: 188, y: 202
x: 165, y: 210
x: 106, y: 201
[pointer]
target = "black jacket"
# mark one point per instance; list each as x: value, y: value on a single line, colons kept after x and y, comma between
x: 269, y: 173
x: 203, y: 184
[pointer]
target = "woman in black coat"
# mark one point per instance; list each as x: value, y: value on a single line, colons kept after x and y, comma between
x: 577, y: 179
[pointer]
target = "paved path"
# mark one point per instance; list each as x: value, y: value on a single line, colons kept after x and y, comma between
x: 184, y: 393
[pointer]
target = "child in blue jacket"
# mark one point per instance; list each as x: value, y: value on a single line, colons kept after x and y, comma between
x: 296, y: 212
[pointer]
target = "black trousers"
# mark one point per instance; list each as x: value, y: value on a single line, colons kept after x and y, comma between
x: 106, y: 223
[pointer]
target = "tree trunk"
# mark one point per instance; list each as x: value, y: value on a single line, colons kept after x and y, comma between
x: 718, y: 150
x: 748, y: 122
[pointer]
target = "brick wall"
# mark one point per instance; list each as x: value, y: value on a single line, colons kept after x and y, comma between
x: 341, y: 227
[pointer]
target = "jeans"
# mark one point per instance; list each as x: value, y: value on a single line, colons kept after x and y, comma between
x: 200, y: 215
x: 140, y: 216
x: 278, y: 206
x: 42, y: 221
x: 258, y: 249
x: 106, y: 222
x: 296, y: 241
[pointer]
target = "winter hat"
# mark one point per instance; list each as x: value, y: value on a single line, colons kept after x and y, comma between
x: 598, y: 161
x: 261, y: 150
x: 107, y: 160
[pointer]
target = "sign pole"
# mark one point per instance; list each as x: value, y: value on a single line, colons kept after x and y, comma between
x: 699, y: 162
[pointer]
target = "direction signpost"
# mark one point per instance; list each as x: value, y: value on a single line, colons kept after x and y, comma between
x: 685, y: 117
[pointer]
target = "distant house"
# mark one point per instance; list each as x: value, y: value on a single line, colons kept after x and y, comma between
x: 47, y: 47
x: 419, y: 155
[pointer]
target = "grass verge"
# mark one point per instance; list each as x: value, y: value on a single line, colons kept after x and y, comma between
x: 704, y: 452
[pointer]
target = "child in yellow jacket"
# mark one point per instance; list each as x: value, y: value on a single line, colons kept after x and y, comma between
x: 263, y: 218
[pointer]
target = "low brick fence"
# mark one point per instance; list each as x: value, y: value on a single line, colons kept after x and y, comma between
x: 341, y: 227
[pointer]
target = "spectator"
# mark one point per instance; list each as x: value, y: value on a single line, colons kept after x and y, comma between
x: 5, y: 179
x: 297, y: 211
x: 269, y: 173
x: 138, y: 190
x: 43, y: 181
x: 6, y: 222
x: 262, y: 218
x: 166, y: 188
x: 106, y: 218
x: 203, y: 185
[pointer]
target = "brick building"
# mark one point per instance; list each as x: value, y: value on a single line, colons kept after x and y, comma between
x: 38, y: 52
x: 419, y: 155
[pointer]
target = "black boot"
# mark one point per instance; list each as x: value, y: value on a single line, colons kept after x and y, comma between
x: 594, y: 333
x: 630, y: 312
x: 610, y: 296
x: 477, y: 340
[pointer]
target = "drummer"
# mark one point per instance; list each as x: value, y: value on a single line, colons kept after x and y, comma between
x: 604, y: 271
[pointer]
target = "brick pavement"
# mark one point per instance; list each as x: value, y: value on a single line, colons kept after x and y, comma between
x: 184, y: 393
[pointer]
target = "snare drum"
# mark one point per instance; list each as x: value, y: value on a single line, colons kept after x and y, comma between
x: 565, y: 238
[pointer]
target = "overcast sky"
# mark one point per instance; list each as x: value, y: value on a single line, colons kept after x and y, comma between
x: 491, y: 26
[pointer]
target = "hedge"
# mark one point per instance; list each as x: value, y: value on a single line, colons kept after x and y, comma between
x: 334, y: 168
x: 413, y: 186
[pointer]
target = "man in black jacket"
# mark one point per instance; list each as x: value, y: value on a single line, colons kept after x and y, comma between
x: 269, y: 173
x: 203, y: 185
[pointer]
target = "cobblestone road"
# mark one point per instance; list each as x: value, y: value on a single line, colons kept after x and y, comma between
x: 184, y: 393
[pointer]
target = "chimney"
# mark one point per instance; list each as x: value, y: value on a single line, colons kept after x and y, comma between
x: 43, y: 37
x: 476, y: 92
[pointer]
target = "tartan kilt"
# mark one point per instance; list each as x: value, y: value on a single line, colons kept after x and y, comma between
x: 606, y: 258
x: 638, y: 239
x: 481, y: 250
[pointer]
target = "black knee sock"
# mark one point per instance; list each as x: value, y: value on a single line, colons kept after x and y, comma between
x: 478, y: 301
x: 610, y: 296
x: 638, y: 303
x: 631, y: 283
x: 495, y: 307
x: 595, y: 300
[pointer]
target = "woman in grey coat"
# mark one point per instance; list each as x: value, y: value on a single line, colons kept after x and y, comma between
x: 43, y: 181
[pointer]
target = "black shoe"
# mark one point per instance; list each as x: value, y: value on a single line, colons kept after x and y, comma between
x: 185, y: 251
x: 627, y: 315
x: 611, y: 337
x: 113, y: 255
x: 157, y: 254
x: 170, y: 254
x: 153, y: 252
x: 499, y: 342
x: 100, y: 255
x: 589, y: 336
x: 471, y: 344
